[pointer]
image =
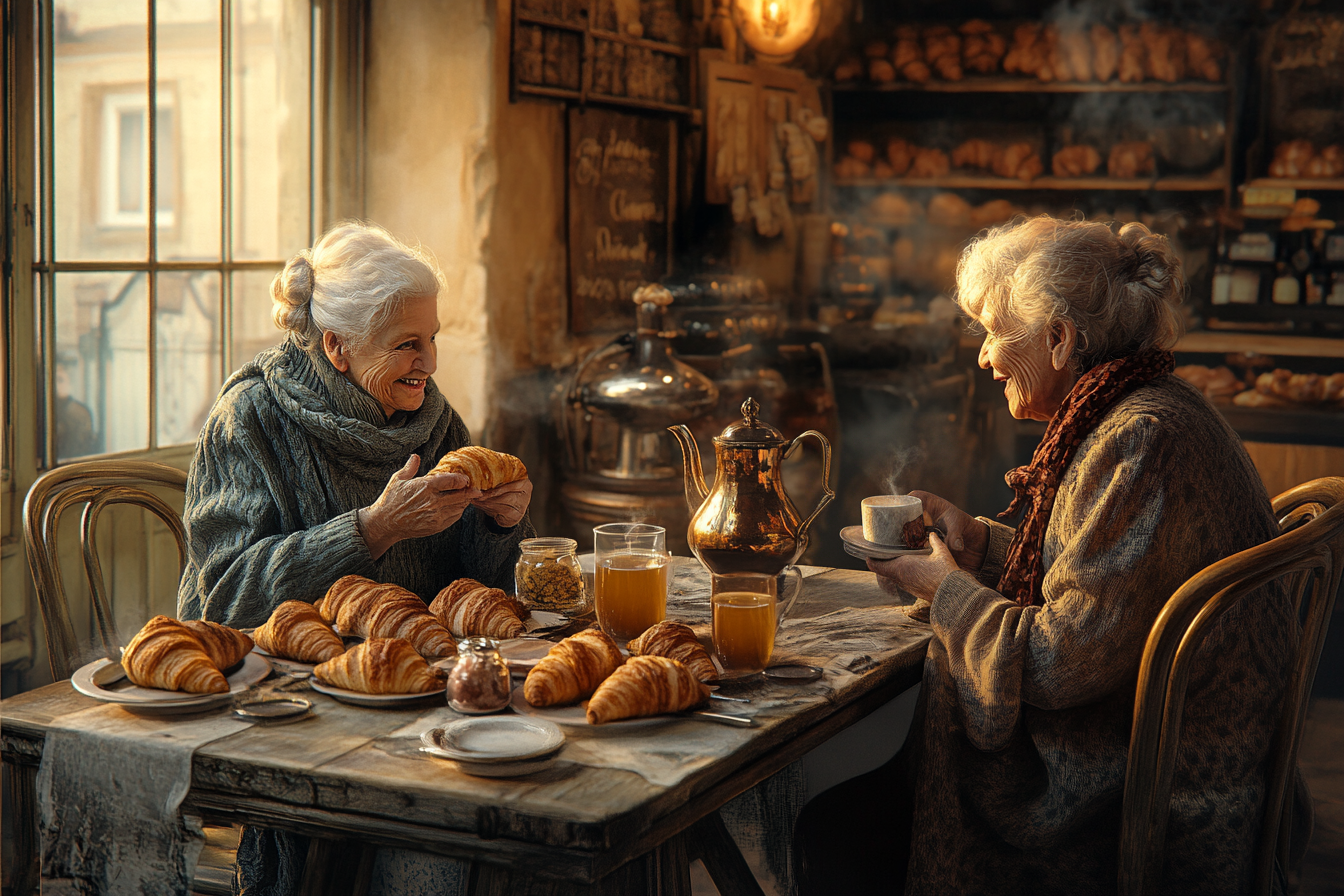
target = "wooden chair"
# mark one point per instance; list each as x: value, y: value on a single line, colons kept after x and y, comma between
x: 1309, y: 555
x: 95, y: 485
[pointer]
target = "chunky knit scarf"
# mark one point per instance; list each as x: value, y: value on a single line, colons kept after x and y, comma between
x: 1037, y: 483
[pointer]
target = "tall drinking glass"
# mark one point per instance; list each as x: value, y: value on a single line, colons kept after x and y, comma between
x: 631, y: 576
x: 747, y: 611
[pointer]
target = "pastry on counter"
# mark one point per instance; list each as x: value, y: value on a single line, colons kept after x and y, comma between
x: 485, y: 468
x: 367, y: 609
x: 676, y: 641
x: 1301, y: 388
x: 1131, y: 158
x: 572, y: 669
x: 469, y: 609
x: 225, y: 646
x: 1075, y: 161
x: 1105, y: 52
x: 297, y: 631
x: 1216, y: 382
x: 929, y: 162
x: 380, y: 666
x: 645, y: 686
x: 166, y: 654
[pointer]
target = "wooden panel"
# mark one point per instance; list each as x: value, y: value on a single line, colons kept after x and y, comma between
x: 1283, y: 466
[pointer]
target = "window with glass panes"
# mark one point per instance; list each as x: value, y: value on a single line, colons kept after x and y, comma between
x: 175, y: 148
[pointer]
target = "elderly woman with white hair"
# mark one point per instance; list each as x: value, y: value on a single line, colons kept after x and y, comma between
x: 1011, y: 779
x: 306, y: 469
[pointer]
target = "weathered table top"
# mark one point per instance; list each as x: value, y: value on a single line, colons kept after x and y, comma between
x: 353, y: 770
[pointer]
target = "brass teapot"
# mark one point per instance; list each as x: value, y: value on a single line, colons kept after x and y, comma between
x: 746, y: 522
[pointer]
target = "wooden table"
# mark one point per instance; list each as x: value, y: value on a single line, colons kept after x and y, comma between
x: 573, y: 828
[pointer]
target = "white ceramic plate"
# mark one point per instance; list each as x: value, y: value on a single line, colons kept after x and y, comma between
x: 495, y: 739
x: 285, y: 664
x: 357, y: 698
x: 858, y: 546
x: 253, y: 669
x: 576, y: 715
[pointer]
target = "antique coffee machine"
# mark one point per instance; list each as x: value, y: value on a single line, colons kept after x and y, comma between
x: 618, y: 455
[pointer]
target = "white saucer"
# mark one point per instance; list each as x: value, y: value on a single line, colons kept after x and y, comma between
x: 858, y: 546
x: 494, y: 739
x: 359, y: 698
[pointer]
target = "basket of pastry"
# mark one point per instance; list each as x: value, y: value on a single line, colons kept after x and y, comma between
x: 175, y: 666
x: 585, y: 680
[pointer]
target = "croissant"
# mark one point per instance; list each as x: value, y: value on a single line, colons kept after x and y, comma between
x: 297, y: 631
x: 166, y: 654
x: 380, y: 666
x: 485, y: 468
x: 676, y: 641
x: 572, y: 669
x: 225, y: 646
x: 362, y: 607
x: 468, y: 609
x: 646, y: 686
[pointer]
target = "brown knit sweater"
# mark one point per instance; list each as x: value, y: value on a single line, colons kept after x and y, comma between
x: 1028, y: 710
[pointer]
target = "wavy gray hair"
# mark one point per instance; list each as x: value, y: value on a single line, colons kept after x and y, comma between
x: 1120, y: 289
x: 350, y: 283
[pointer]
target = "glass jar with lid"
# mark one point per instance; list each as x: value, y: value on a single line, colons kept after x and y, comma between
x: 479, y: 682
x: 547, y: 576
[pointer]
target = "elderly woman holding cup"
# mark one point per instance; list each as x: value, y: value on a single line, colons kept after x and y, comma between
x: 1011, y: 779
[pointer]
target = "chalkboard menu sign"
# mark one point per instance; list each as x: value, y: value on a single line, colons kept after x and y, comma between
x: 620, y: 209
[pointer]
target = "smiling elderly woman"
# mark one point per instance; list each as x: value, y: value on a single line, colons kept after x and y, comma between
x: 1015, y: 771
x: 306, y: 468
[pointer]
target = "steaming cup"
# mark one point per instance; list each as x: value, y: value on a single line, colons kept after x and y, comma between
x: 885, y: 516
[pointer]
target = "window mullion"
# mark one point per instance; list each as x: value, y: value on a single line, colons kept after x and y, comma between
x: 152, y: 217
x: 225, y: 187
x: 46, y: 336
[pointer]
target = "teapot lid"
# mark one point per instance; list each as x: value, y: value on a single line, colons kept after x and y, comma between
x: 750, y: 430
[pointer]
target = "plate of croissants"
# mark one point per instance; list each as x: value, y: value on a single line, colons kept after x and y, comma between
x: 176, y: 667
x: 379, y: 672
x: 586, y: 680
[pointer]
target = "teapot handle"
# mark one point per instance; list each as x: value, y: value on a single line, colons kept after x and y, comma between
x: 826, y: 498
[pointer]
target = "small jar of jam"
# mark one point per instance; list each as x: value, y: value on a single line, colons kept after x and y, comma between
x: 547, y: 576
x: 479, y: 682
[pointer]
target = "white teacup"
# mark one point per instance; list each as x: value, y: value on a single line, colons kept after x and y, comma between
x: 885, y: 516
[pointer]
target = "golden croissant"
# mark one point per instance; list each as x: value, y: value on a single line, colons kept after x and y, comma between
x: 467, y: 609
x: 297, y: 631
x: 166, y: 654
x: 362, y: 607
x: 676, y: 641
x: 380, y: 666
x: 572, y: 669
x: 485, y: 468
x: 646, y: 686
x: 225, y: 646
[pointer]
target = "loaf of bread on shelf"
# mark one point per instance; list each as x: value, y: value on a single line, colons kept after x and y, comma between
x: 974, y: 153
x: 485, y: 468
x: 297, y: 631
x: 1130, y: 158
x: 676, y: 641
x: 949, y: 210
x: 900, y: 155
x: 572, y: 669
x: 469, y: 609
x: 363, y: 607
x: 849, y: 69
x: 1018, y: 160
x: 982, y: 47
x: 225, y: 646
x: 646, y: 686
x: 380, y: 666
x: 1105, y: 52
x: 1133, y: 55
x: 1165, y: 46
x: 1203, y: 57
x: 165, y: 654
x: 929, y: 162
x: 849, y: 168
x: 993, y: 212
x: 881, y: 71
x: 1075, y: 161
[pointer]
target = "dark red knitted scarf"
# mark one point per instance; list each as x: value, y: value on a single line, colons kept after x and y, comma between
x: 1036, y: 484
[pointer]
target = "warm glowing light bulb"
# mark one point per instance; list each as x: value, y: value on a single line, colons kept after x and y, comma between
x: 776, y: 29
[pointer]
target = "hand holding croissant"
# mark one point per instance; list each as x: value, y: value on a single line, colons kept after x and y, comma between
x: 413, y: 507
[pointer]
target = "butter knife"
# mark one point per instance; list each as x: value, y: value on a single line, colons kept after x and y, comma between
x: 726, y: 719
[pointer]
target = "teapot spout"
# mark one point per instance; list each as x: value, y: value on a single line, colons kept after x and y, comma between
x: 696, y: 491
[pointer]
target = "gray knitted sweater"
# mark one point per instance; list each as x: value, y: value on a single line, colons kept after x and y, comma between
x: 1028, y: 710
x: 291, y: 451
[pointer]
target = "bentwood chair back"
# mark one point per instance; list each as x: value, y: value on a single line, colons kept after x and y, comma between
x: 95, y: 485
x: 1309, y: 556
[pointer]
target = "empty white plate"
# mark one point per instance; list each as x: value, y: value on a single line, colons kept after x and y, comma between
x: 494, y: 739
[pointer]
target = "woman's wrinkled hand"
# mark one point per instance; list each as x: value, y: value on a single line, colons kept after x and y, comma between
x: 967, y: 537
x: 413, y: 508
x: 919, y: 574
x: 506, y: 504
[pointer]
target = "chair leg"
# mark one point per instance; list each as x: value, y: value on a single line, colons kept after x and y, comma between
x: 711, y: 843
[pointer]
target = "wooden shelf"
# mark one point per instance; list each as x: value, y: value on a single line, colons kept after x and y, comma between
x: 986, y: 182
x: 1028, y: 85
x: 1300, y: 183
x: 533, y: 18
x: 1261, y: 343
x: 655, y: 45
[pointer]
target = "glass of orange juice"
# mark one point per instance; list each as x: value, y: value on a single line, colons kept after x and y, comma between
x: 746, y: 616
x: 630, y: 578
